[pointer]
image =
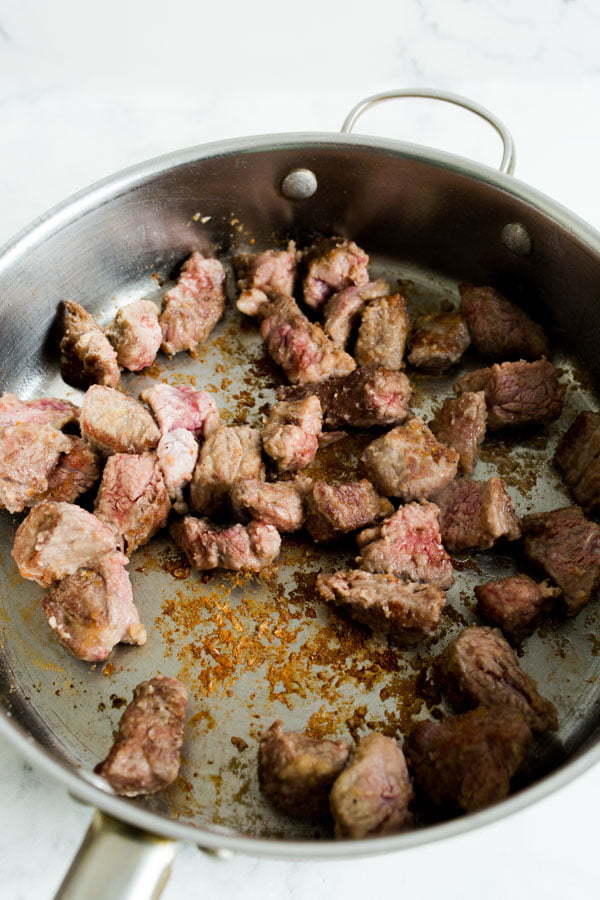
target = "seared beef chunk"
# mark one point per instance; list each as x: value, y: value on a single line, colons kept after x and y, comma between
x: 56, y: 539
x: 116, y: 423
x: 177, y: 455
x: 479, y: 668
x: 343, y: 309
x: 299, y: 346
x: 499, y: 328
x: 336, y: 509
x: 295, y: 772
x: 135, y: 334
x: 132, y: 498
x: 362, y: 399
x: 291, y: 434
x: 461, y: 424
x: 373, y: 793
x: 249, y: 547
x: 86, y: 355
x: 406, y: 610
x: 280, y: 503
x: 92, y: 610
x: 465, y: 763
x: 566, y: 546
x: 228, y: 454
x: 78, y: 469
x: 192, y: 308
x: 45, y: 411
x: 408, y: 545
x: 515, y: 603
x: 517, y: 393
x: 331, y: 265
x: 578, y: 458
x: 475, y: 514
x: 438, y: 341
x: 262, y: 276
x: 383, y: 332
x: 182, y: 406
x: 28, y: 455
x: 145, y: 755
x: 408, y: 462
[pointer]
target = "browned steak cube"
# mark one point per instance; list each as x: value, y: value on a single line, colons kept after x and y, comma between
x: 438, y: 341
x: 515, y: 604
x: 182, y: 406
x: 45, y: 411
x: 249, y: 547
x: 336, y: 509
x: 566, y: 546
x: 498, y: 327
x: 92, y: 610
x: 480, y: 668
x: 383, y: 332
x: 408, y: 462
x: 342, y: 310
x: 517, y: 393
x: 291, y: 434
x: 466, y: 762
x: 280, y: 503
x: 145, y: 755
x: 192, y: 308
x: 116, y: 423
x: 332, y: 264
x: 578, y: 458
x: 228, y: 454
x: 408, y: 545
x: 409, y: 611
x: 461, y: 424
x: 135, y: 334
x: 475, y: 514
x: 78, y: 469
x: 86, y: 355
x: 373, y: 793
x: 29, y: 454
x: 296, y: 772
x: 177, y: 455
x: 261, y: 276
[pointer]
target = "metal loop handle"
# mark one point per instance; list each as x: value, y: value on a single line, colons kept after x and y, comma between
x: 507, y: 164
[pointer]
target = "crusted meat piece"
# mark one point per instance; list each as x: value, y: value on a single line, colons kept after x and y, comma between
x: 299, y: 346
x: 578, y: 458
x: 466, y: 762
x: 373, y: 793
x: 249, y: 547
x: 408, y: 462
x: 332, y: 264
x: 182, y: 406
x: 116, y: 423
x: 409, y: 611
x: 475, y: 514
x: 56, y: 539
x: 177, y: 454
x: 135, y: 334
x: 408, y: 545
x: 228, y: 454
x: 461, y: 424
x: 145, y: 755
x: 365, y: 398
x: 280, y: 503
x: 342, y: 310
x: 291, y: 433
x: 86, y: 355
x: 336, y: 509
x: 44, y: 411
x: 192, y: 308
x: 261, y: 276
x: 498, y: 327
x: 566, y: 546
x: 28, y: 455
x: 515, y: 604
x: 133, y: 498
x: 480, y: 668
x: 92, y: 610
x: 77, y: 470
x: 517, y: 393
x: 438, y: 341
x: 383, y: 332
x: 296, y: 772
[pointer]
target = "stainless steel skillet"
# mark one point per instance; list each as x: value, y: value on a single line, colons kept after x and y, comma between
x: 254, y: 648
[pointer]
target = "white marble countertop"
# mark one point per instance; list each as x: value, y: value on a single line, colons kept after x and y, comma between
x: 87, y: 89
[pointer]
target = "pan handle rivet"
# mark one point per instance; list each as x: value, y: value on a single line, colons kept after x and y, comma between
x: 517, y: 239
x: 299, y: 184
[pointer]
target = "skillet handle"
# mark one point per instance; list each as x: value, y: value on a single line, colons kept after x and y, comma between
x: 507, y: 164
x: 117, y: 861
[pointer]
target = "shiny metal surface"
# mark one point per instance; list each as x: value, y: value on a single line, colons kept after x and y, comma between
x: 253, y: 648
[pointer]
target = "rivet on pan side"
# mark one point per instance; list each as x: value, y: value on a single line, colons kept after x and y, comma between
x: 517, y: 239
x: 299, y: 184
